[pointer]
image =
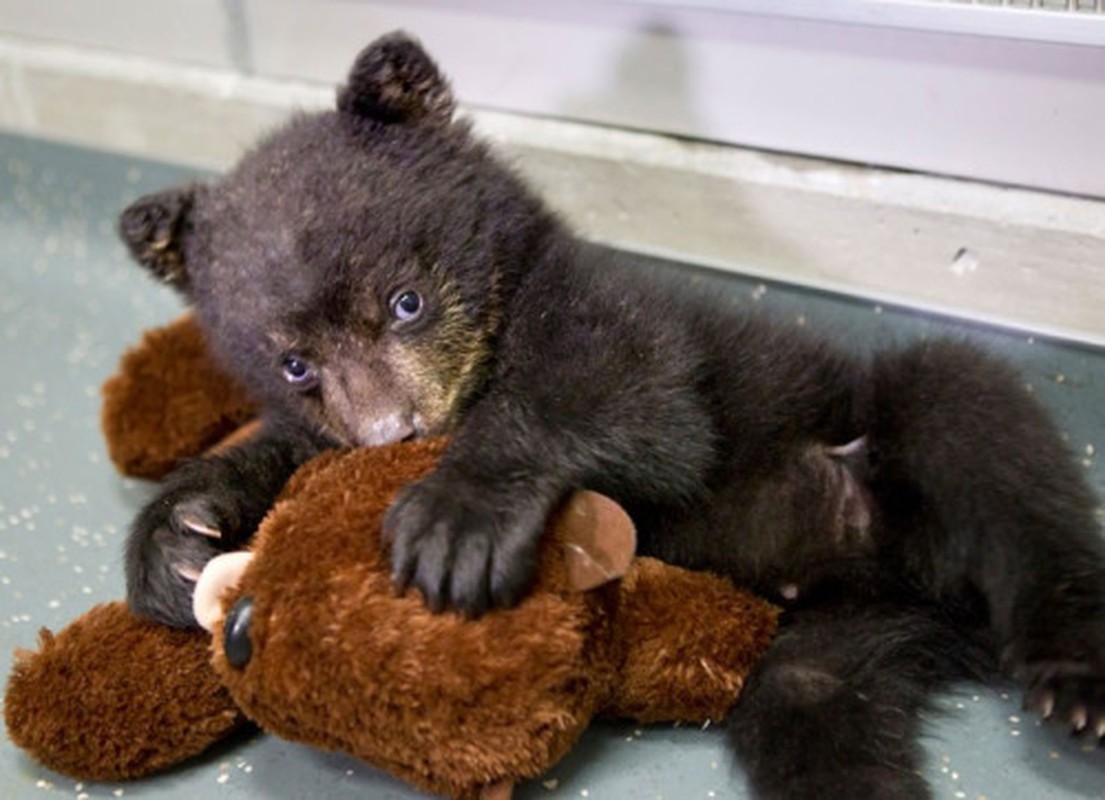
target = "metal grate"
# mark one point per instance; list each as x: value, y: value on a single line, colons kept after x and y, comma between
x: 1073, y: 22
x: 1075, y: 6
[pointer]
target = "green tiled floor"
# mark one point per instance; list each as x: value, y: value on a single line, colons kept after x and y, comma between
x: 70, y: 302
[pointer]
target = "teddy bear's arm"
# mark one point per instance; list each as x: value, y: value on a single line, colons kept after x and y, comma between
x: 169, y: 401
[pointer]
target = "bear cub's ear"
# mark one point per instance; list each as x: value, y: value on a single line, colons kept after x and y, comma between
x: 154, y: 229
x: 394, y: 80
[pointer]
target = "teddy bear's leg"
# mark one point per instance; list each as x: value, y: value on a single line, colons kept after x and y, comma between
x: 114, y: 697
x: 832, y: 710
x: 503, y: 790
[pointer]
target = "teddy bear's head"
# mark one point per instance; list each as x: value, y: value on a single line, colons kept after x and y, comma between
x: 315, y: 645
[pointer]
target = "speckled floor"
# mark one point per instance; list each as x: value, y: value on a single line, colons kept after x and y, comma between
x: 70, y: 302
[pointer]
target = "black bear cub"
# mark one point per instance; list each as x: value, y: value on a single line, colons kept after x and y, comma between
x: 373, y: 274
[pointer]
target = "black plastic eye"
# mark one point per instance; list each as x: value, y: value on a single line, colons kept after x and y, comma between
x: 299, y: 373
x: 406, y: 305
x: 236, y: 644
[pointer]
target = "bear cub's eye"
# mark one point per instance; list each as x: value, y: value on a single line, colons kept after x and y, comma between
x: 300, y: 374
x: 406, y: 305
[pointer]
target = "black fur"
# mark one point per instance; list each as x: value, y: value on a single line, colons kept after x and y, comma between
x: 917, y: 512
x: 227, y: 494
x: 833, y: 709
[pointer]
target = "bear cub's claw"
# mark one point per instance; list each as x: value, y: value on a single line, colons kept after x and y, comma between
x: 1070, y: 694
x: 465, y: 546
x: 171, y: 541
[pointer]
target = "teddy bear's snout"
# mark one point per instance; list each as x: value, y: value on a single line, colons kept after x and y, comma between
x: 236, y: 642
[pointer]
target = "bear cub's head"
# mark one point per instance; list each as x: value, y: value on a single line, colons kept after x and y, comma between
x: 353, y: 269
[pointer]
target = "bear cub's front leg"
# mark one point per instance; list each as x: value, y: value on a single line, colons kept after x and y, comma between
x: 201, y: 512
x: 206, y: 507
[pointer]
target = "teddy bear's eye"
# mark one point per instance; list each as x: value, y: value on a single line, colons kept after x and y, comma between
x: 300, y: 373
x: 236, y: 628
x: 406, y: 305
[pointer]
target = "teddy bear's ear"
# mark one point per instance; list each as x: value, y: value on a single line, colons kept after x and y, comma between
x: 394, y: 80
x: 599, y: 539
x: 155, y: 229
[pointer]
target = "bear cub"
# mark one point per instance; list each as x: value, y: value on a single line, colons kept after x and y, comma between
x: 373, y: 274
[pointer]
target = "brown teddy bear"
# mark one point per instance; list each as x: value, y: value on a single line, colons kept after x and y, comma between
x: 311, y: 642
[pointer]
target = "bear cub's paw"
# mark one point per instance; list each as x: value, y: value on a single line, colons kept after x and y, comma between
x: 465, y: 545
x: 1069, y: 693
x: 195, y: 518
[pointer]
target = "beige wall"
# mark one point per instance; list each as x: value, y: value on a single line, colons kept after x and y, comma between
x: 991, y: 93
x: 196, y: 81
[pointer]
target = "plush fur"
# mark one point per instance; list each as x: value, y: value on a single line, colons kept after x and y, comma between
x: 114, y: 697
x: 166, y: 403
x: 448, y: 704
x: 373, y: 274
